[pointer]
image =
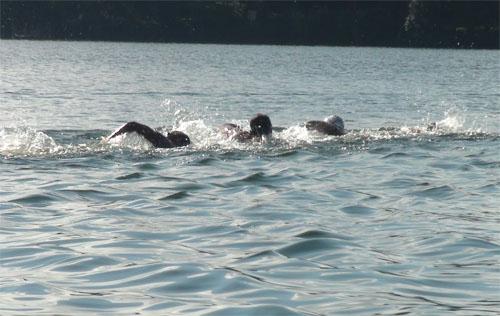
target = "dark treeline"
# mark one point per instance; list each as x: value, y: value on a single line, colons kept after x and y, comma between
x: 415, y: 23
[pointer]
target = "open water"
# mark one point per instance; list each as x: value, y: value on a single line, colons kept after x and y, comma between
x: 390, y: 219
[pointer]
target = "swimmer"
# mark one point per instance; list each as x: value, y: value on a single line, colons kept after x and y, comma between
x: 260, y: 126
x: 158, y: 140
x: 332, y: 125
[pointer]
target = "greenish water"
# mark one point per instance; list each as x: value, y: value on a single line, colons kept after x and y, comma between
x: 391, y: 218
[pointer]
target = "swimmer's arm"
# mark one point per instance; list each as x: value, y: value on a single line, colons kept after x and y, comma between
x: 154, y: 137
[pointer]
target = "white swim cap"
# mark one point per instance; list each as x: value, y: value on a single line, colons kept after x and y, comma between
x: 336, y: 121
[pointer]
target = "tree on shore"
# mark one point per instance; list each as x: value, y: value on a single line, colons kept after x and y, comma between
x: 413, y: 23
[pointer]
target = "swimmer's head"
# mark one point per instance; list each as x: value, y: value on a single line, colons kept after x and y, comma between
x: 260, y: 125
x: 178, y: 139
x: 336, y: 121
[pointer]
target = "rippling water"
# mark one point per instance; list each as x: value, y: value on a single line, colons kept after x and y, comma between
x: 392, y: 218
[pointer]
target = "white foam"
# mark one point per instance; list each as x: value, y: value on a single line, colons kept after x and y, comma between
x: 453, y: 122
x: 130, y: 140
x: 299, y: 135
x: 25, y: 141
x: 206, y: 137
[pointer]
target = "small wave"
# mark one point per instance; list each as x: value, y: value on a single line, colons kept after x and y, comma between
x: 460, y: 249
x: 439, y: 192
x: 35, y: 199
x: 175, y: 196
x: 312, y: 234
x: 395, y: 155
x: 92, y: 303
x: 310, y: 247
x: 134, y: 175
x: 84, y: 263
x: 358, y: 210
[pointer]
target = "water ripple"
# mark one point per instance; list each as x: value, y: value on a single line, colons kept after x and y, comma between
x: 397, y: 217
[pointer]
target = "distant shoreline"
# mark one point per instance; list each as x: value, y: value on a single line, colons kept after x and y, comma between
x: 401, y: 24
x: 243, y: 44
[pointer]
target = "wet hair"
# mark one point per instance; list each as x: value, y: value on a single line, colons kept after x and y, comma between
x: 178, y: 139
x: 261, y: 125
x: 337, y: 122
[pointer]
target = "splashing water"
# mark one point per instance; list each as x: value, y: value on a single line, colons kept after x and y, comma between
x: 22, y: 140
x: 28, y: 141
x: 453, y: 122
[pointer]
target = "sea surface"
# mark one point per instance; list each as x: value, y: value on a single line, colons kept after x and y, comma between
x: 393, y: 218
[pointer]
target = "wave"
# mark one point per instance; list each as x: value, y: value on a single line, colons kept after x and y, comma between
x: 29, y: 142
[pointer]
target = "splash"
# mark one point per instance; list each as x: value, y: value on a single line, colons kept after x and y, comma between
x: 25, y: 140
x: 298, y: 135
x: 453, y: 122
x: 457, y: 120
x: 206, y: 137
x: 176, y: 111
x: 129, y: 140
